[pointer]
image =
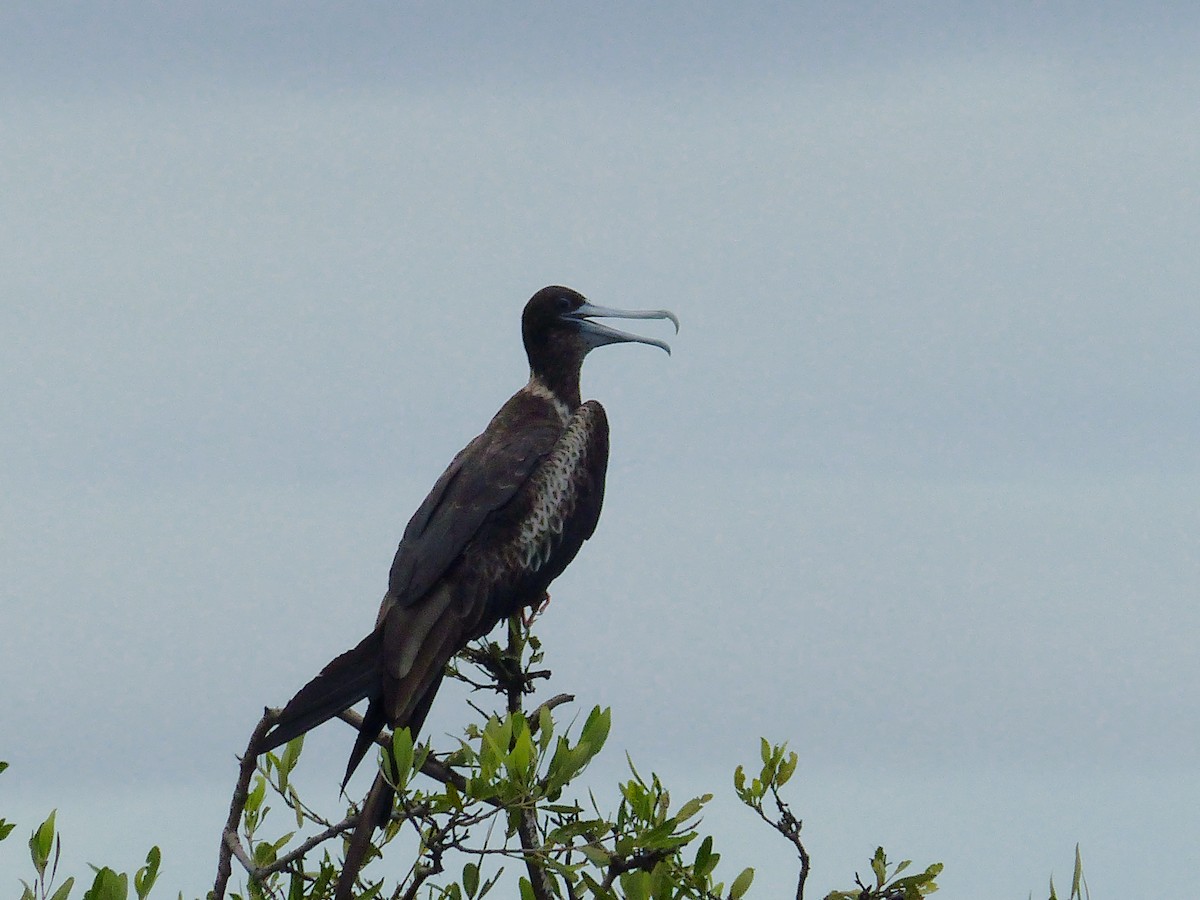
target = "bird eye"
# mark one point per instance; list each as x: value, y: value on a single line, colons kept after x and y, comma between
x: 564, y: 303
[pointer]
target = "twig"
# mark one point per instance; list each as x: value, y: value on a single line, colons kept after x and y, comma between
x: 288, y: 858
x: 789, y: 826
x: 230, y: 844
x: 535, y: 717
x: 239, y: 852
x: 539, y: 878
x: 515, y: 686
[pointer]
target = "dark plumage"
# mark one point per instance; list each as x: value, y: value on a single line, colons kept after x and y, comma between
x: 503, y: 521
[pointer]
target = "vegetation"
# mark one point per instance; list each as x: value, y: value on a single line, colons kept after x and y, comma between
x: 495, y: 814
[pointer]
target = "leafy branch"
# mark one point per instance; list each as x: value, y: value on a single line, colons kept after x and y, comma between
x: 504, y: 792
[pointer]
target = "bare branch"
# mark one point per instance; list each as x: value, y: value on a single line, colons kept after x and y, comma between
x: 234, y: 844
x: 514, y: 683
x: 231, y: 845
x: 535, y: 717
x: 789, y: 826
x: 288, y: 858
x: 531, y: 844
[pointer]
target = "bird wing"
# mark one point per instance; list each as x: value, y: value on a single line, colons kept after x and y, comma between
x: 482, y: 479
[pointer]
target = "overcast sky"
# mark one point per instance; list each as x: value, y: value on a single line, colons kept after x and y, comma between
x: 918, y: 490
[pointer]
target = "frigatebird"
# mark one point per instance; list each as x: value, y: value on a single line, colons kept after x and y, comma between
x: 501, y: 523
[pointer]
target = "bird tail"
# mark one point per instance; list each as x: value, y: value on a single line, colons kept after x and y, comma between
x: 377, y: 808
x: 348, y: 679
x: 375, y: 812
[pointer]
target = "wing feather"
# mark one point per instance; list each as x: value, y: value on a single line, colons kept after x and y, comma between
x: 482, y: 479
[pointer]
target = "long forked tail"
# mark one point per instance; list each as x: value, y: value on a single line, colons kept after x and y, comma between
x: 348, y: 679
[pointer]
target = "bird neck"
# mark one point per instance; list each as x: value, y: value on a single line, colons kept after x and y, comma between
x: 564, y: 397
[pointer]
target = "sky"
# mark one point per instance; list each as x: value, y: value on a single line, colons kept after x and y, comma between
x: 917, y: 490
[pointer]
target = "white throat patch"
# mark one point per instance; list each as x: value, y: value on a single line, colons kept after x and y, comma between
x: 538, y: 389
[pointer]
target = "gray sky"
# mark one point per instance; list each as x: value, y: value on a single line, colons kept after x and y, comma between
x: 917, y: 491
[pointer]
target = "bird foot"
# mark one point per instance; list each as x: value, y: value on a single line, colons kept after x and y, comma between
x: 533, y: 611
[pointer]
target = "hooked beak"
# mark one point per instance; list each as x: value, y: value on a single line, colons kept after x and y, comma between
x: 596, y: 335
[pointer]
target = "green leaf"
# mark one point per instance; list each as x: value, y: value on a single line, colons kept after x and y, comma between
x: 633, y: 769
x: 636, y: 885
x: 596, y: 728
x: 264, y: 854
x: 741, y: 884
x: 290, y: 756
x: 420, y: 756
x: 470, y: 878
x: 297, y: 808
x: 593, y: 885
x: 144, y: 878
x: 63, y: 890
x: 255, y: 798
x: 296, y: 887
x: 786, y: 769
x: 545, y: 729
x: 502, y: 734
x: 402, y: 753
x: 526, y: 889
x: 521, y: 756
x: 108, y: 885
x: 706, y: 860
x: 663, y: 805
x: 6, y: 828
x: 454, y: 799
x: 879, y: 867
x: 917, y: 885
x: 692, y: 807
x: 320, y: 887
x: 597, y: 856
x: 490, y: 883
x: 41, y: 842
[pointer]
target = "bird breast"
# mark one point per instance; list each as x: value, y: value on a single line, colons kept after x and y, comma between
x: 555, y: 487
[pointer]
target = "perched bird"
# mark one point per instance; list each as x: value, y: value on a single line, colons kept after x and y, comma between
x: 503, y: 521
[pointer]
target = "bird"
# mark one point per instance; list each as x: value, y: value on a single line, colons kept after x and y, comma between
x: 505, y: 518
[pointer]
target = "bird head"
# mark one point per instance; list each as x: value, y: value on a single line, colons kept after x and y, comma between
x: 559, y: 329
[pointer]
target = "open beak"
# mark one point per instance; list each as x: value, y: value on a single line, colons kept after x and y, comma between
x: 596, y: 335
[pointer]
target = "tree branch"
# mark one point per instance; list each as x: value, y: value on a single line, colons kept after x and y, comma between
x: 231, y: 845
x: 516, y: 683
x: 789, y: 826
x: 535, y: 717
x: 288, y: 858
